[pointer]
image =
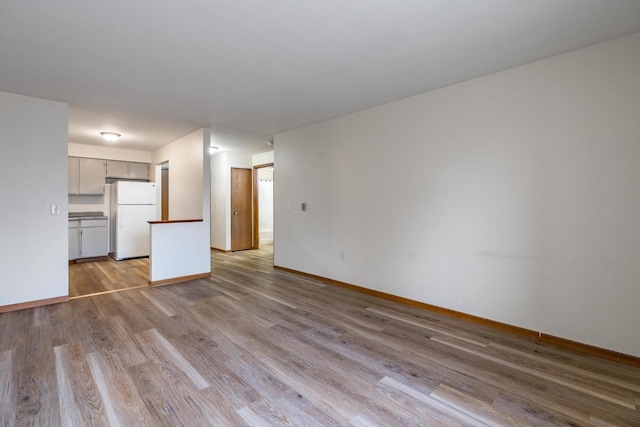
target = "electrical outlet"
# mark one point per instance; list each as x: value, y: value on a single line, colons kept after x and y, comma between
x: 55, y: 209
x: 341, y: 255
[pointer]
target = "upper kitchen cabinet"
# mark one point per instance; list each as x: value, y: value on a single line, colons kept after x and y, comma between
x: 139, y: 170
x: 86, y: 176
x: 117, y: 169
x: 127, y: 170
x: 91, y: 173
x: 73, y: 175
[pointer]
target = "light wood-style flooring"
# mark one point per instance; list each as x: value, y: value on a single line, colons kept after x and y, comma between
x: 87, y: 278
x: 257, y: 346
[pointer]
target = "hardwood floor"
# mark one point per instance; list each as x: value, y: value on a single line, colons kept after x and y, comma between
x: 87, y: 278
x: 257, y: 346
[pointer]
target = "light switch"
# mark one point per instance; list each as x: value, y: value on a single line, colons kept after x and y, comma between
x: 55, y: 209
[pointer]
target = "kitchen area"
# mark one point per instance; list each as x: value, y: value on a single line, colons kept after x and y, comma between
x: 110, y: 202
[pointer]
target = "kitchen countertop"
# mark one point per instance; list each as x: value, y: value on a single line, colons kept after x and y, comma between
x: 86, y: 215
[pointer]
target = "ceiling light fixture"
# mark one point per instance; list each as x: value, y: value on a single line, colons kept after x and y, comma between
x: 110, y: 136
x: 212, y: 149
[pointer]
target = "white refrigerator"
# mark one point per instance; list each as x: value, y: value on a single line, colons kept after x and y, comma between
x: 132, y: 205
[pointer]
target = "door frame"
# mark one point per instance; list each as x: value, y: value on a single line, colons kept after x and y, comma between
x: 256, y: 203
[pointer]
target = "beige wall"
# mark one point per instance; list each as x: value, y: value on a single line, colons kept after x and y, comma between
x: 513, y: 197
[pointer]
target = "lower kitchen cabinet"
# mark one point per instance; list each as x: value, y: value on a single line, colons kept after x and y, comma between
x: 87, y: 238
x: 74, y: 240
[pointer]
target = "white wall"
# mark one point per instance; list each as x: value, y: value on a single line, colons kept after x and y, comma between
x: 110, y: 153
x: 189, y: 198
x: 221, y: 165
x: 33, y: 173
x: 219, y: 194
x: 265, y: 205
x: 91, y: 203
x: 178, y: 251
x: 185, y: 157
x: 265, y: 173
x: 262, y: 158
x: 513, y: 197
x: 265, y: 209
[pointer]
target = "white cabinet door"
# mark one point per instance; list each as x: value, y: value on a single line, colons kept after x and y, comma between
x: 139, y: 170
x: 73, y: 175
x: 93, y: 241
x: 92, y: 175
x: 74, y: 240
x: 117, y: 169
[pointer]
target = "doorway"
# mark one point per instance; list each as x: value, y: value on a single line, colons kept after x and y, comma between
x: 164, y: 197
x: 263, y: 224
x: 241, y: 234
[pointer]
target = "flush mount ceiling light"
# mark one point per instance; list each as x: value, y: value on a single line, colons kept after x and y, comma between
x: 110, y: 136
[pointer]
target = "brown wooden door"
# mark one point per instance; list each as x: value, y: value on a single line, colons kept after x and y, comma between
x: 241, y: 235
x: 165, y: 194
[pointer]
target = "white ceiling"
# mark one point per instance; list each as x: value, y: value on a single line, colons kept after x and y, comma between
x: 155, y: 70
